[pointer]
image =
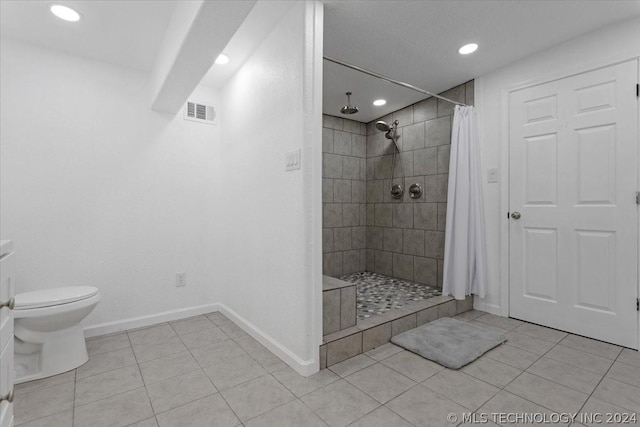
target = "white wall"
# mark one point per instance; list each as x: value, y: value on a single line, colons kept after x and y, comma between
x: 97, y: 189
x: 270, y: 228
x: 601, y: 47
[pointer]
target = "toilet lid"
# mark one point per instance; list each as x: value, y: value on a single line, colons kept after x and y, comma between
x: 51, y: 297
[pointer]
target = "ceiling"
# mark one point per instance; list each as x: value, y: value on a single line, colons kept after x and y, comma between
x: 417, y: 42
x: 256, y: 27
x: 127, y: 33
x: 412, y: 41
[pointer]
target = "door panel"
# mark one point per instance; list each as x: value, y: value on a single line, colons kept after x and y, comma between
x: 540, y: 258
x: 573, y: 146
x: 596, y: 165
x: 541, y: 154
x: 596, y: 272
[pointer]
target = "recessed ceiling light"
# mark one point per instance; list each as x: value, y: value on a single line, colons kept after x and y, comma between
x: 222, y: 59
x: 468, y: 48
x: 379, y: 102
x: 65, y: 13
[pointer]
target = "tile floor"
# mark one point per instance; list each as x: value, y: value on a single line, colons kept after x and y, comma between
x: 205, y: 371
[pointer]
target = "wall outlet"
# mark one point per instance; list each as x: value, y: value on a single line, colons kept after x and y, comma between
x: 181, y: 280
x: 292, y: 160
x: 492, y: 176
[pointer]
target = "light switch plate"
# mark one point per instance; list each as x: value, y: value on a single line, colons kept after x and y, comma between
x: 181, y: 279
x: 292, y: 160
x: 492, y: 176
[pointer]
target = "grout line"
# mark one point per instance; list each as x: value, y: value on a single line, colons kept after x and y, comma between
x: 595, y: 388
x: 49, y: 415
x: 189, y: 351
x: 108, y: 370
x: 375, y: 361
x: 144, y: 385
x: 73, y: 408
x: 199, y: 367
x: 401, y: 394
x: 588, y: 352
x: 526, y: 370
x: 450, y: 399
x: 357, y: 370
x: 111, y: 397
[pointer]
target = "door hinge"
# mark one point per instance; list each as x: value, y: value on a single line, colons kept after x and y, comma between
x: 637, y: 89
x: 637, y: 304
x: 637, y: 197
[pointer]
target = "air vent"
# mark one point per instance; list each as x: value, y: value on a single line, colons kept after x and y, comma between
x: 200, y: 113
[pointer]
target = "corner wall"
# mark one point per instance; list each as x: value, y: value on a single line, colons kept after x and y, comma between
x: 344, y: 196
x: 97, y: 189
x: 269, y: 258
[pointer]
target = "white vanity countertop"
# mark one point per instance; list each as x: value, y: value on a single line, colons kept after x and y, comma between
x: 6, y: 246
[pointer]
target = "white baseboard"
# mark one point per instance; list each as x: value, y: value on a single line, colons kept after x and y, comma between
x: 489, y: 308
x: 303, y: 367
x: 152, y: 319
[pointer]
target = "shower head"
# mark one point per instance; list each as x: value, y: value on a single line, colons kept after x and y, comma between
x: 348, y: 109
x: 383, y: 126
x: 390, y: 130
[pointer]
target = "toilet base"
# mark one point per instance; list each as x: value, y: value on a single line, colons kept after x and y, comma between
x: 49, y: 354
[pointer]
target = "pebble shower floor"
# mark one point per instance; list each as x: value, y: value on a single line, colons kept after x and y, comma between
x: 378, y: 293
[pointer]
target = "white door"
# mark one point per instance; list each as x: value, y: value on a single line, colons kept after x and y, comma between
x: 573, y: 147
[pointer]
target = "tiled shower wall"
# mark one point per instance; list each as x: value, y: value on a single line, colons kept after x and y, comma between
x: 344, y: 196
x: 363, y: 227
x: 405, y: 238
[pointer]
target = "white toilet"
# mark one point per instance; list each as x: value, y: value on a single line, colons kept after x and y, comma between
x: 49, y: 339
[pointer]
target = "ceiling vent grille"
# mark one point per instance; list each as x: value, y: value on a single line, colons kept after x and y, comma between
x: 200, y: 113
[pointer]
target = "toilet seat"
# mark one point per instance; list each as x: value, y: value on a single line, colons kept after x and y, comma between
x: 53, y: 297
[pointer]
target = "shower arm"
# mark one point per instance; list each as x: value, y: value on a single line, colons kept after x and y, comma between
x: 393, y: 165
x: 389, y: 79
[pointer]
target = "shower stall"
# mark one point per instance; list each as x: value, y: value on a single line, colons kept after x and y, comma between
x: 384, y: 210
x: 387, y: 240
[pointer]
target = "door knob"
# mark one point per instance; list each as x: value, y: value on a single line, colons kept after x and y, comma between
x: 10, y: 304
x: 8, y: 397
x: 515, y: 215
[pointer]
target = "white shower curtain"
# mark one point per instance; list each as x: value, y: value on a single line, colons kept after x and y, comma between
x: 464, y: 248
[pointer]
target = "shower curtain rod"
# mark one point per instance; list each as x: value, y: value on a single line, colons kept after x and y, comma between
x: 397, y: 82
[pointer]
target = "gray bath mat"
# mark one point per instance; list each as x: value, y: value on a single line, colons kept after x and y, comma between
x: 449, y: 342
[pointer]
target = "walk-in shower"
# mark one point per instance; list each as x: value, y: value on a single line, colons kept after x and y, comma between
x: 386, y: 247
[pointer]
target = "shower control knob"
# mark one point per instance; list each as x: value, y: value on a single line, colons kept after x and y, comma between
x: 415, y: 191
x: 397, y: 191
x: 515, y: 215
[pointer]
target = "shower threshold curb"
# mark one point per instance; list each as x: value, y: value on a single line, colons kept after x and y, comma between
x: 378, y: 329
